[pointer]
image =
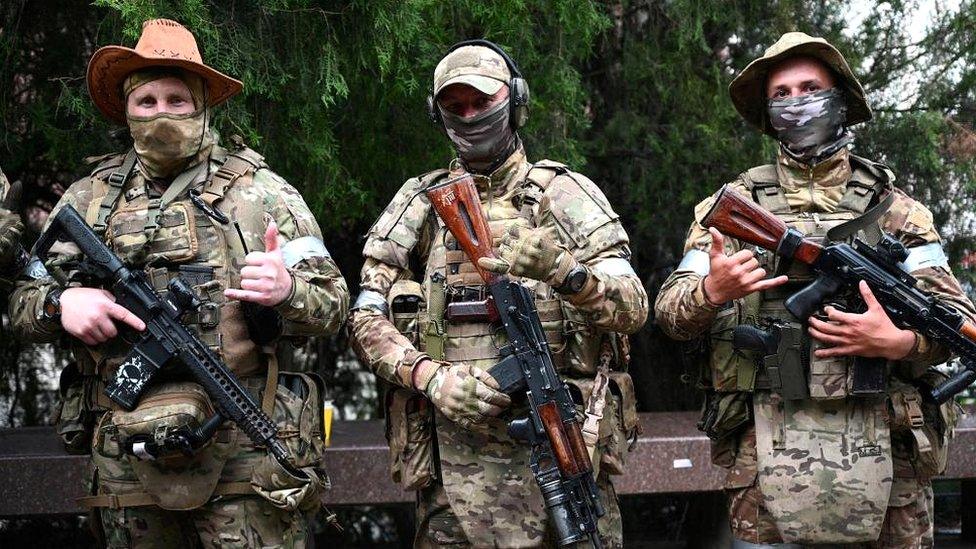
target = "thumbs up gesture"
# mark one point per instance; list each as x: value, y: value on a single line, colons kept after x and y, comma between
x: 264, y: 278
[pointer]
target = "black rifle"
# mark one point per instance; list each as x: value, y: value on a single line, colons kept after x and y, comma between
x: 164, y: 343
x: 560, y: 461
x: 842, y: 266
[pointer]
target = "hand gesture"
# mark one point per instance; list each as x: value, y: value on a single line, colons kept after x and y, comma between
x: 264, y: 279
x: 733, y: 276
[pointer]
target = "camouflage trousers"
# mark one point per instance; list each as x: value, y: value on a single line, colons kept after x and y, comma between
x: 438, y: 526
x: 230, y: 522
x: 908, y: 522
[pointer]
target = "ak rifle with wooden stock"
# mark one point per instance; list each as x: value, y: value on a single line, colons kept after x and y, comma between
x: 840, y: 266
x: 560, y: 462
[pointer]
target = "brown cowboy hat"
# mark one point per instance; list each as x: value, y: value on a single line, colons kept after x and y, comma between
x: 163, y: 43
x: 748, y: 89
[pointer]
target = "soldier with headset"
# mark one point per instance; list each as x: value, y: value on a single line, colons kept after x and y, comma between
x: 556, y: 232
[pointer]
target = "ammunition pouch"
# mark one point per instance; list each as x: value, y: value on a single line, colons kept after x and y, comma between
x: 410, y: 434
x: 406, y: 305
x: 723, y: 417
x: 920, y: 430
x: 77, y: 409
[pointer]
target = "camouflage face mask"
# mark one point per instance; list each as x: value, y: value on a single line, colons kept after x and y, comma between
x: 166, y: 142
x: 811, y: 127
x: 484, y: 140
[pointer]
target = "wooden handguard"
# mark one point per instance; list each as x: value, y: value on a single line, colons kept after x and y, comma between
x: 457, y: 203
x: 736, y: 216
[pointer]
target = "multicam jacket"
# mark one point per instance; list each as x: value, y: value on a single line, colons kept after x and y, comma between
x: 487, y: 476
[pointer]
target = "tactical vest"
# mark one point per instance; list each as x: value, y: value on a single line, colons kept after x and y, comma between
x: 823, y: 455
x: 181, y: 233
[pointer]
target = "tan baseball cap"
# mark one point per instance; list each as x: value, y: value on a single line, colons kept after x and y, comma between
x: 477, y: 66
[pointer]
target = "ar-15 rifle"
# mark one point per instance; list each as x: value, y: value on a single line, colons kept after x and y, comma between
x: 842, y: 266
x: 560, y: 461
x: 164, y: 343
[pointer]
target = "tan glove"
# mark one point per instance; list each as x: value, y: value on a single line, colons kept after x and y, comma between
x: 466, y: 395
x: 531, y: 252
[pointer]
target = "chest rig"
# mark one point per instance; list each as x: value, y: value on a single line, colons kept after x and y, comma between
x: 822, y: 456
x: 793, y: 371
x: 460, y: 325
x: 181, y: 232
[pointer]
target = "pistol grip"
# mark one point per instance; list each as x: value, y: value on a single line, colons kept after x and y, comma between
x: 804, y: 303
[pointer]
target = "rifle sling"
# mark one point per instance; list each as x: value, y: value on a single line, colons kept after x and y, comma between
x: 864, y: 222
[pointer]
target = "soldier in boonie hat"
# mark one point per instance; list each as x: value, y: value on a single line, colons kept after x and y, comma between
x: 809, y: 461
x: 179, y: 204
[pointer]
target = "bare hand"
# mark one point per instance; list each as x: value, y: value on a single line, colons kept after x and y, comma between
x: 264, y: 278
x: 734, y: 276
x: 88, y: 314
x: 870, y: 334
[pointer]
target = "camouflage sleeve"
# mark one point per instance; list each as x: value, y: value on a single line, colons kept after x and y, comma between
x: 319, y: 299
x: 912, y: 224
x: 377, y: 342
x: 404, y: 223
x: 681, y: 308
x: 27, y: 300
x: 613, y: 297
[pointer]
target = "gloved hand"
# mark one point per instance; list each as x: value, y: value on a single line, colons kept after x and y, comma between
x: 531, y: 252
x: 11, y: 233
x: 466, y: 395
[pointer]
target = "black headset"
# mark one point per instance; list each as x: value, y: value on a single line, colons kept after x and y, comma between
x: 518, y: 88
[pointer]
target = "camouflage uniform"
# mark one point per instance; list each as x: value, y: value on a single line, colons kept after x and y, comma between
x: 751, y: 425
x: 201, y: 232
x: 480, y: 492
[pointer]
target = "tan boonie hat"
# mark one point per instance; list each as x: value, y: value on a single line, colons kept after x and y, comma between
x: 748, y: 90
x: 477, y: 66
x: 163, y: 43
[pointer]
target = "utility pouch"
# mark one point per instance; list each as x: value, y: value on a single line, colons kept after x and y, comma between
x: 410, y: 433
x: 406, y: 302
x: 77, y: 410
x: 868, y: 376
x: 724, y: 414
x: 920, y: 430
x: 174, y: 481
x: 298, y: 415
x: 171, y: 406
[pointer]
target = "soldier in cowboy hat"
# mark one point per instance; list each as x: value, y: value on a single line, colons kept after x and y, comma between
x: 818, y: 463
x: 180, y: 204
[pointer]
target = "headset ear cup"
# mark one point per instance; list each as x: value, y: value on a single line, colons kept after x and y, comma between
x: 519, y: 101
x: 434, y: 113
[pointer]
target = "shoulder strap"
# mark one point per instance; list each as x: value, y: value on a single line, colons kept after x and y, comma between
x: 116, y: 182
x: 536, y: 181
x: 765, y: 187
x: 237, y: 164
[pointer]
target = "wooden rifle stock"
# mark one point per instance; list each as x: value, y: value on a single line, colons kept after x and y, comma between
x: 457, y: 203
x: 736, y: 216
